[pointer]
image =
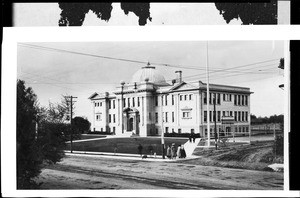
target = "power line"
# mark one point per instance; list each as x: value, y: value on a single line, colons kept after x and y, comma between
x: 133, y: 61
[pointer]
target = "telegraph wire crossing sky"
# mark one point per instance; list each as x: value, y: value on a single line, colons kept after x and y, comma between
x: 80, y: 69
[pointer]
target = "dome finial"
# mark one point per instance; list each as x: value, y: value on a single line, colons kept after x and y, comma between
x: 148, y: 64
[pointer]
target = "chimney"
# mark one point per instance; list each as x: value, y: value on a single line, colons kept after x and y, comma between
x: 179, y: 76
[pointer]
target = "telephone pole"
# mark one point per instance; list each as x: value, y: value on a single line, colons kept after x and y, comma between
x: 215, y: 120
x: 70, y: 99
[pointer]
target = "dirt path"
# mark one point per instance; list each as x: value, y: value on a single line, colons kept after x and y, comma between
x: 85, y: 172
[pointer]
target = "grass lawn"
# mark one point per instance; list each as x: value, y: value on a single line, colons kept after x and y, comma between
x: 125, y: 145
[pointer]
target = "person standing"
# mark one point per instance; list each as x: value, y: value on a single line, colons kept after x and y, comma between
x: 179, y: 152
x: 169, y: 152
x: 173, y: 151
x: 182, y: 152
x: 140, y: 149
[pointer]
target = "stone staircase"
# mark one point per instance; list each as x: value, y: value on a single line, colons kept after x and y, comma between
x: 189, y: 147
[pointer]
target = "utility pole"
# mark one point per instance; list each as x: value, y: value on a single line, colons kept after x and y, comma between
x: 71, y: 103
x: 208, y: 99
x: 215, y: 120
x: 162, y: 128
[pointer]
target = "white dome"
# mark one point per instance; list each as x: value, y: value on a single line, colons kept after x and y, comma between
x: 150, y: 74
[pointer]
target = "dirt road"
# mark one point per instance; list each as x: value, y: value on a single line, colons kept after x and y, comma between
x: 91, y: 172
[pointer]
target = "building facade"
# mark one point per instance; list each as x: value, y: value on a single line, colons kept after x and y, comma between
x: 148, y: 106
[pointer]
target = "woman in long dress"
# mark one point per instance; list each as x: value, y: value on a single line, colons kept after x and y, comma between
x: 178, y: 151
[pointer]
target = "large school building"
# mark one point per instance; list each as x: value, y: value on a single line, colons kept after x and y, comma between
x: 148, y: 106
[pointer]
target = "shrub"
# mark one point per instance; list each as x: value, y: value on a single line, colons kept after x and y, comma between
x: 197, y: 135
x: 278, y: 145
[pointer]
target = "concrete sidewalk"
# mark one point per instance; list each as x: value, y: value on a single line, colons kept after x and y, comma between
x: 126, y: 156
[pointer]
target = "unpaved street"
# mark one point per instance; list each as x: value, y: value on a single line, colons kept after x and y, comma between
x: 94, y: 172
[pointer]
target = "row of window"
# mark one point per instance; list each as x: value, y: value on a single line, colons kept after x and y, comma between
x: 98, y: 104
x: 111, y: 118
x: 185, y: 115
x: 239, y: 116
x: 236, y: 129
x: 164, y: 99
x: 240, y: 100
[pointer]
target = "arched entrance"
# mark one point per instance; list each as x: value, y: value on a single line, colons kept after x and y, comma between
x: 131, y: 120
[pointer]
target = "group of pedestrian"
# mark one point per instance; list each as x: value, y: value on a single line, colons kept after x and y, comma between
x: 173, y: 153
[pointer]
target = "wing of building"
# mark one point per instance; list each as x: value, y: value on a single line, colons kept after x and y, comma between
x: 148, y: 106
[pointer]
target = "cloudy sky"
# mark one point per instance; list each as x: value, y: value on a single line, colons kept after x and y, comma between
x: 53, y: 73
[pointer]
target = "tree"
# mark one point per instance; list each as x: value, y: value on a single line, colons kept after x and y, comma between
x: 73, y: 14
x: 35, y: 145
x: 82, y: 124
x: 249, y: 13
x: 29, y: 156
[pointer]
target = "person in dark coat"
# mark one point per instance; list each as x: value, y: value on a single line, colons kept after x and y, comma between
x: 140, y: 149
x: 182, y: 152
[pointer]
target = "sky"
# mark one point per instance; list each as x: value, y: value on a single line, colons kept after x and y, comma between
x: 53, y: 73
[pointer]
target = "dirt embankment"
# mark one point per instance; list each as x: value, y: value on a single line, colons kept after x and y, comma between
x: 256, y: 156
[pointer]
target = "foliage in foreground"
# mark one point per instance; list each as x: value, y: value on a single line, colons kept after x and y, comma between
x: 35, y: 145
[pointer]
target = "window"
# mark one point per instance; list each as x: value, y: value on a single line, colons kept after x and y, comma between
x: 230, y: 97
x: 166, y: 100
x: 98, y: 117
x: 156, y: 131
x: 114, y: 130
x: 219, y: 116
x: 210, y: 115
x: 223, y: 113
x: 96, y: 104
x: 166, y: 117
x: 230, y: 113
x: 239, y: 100
x: 235, y: 103
x: 109, y: 118
x: 192, y: 130
x: 242, y: 100
x: 185, y: 97
x: 214, y: 116
x: 172, y: 99
x: 235, y: 116
x: 204, y: 98
x: 224, y: 97
x: 205, y: 116
x: 186, y: 114
x: 167, y: 130
x: 210, y: 98
x: 124, y: 101
x: 246, y: 100
x: 190, y: 97
x: 138, y: 101
x: 173, y: 130
x: 150, y: 116
x: 133, y: 102
x: 114, y: 118
x: 179, y: 130
x: 173, y: 116
x: 128, y: 102
x: 239, y: 116
x: 109, y: 104
x: 246, y: 116
x: 218, y: 98
x: 156, y: 117
x: 242, y: 115
x: 180, y: 97
x: 114, y: 104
